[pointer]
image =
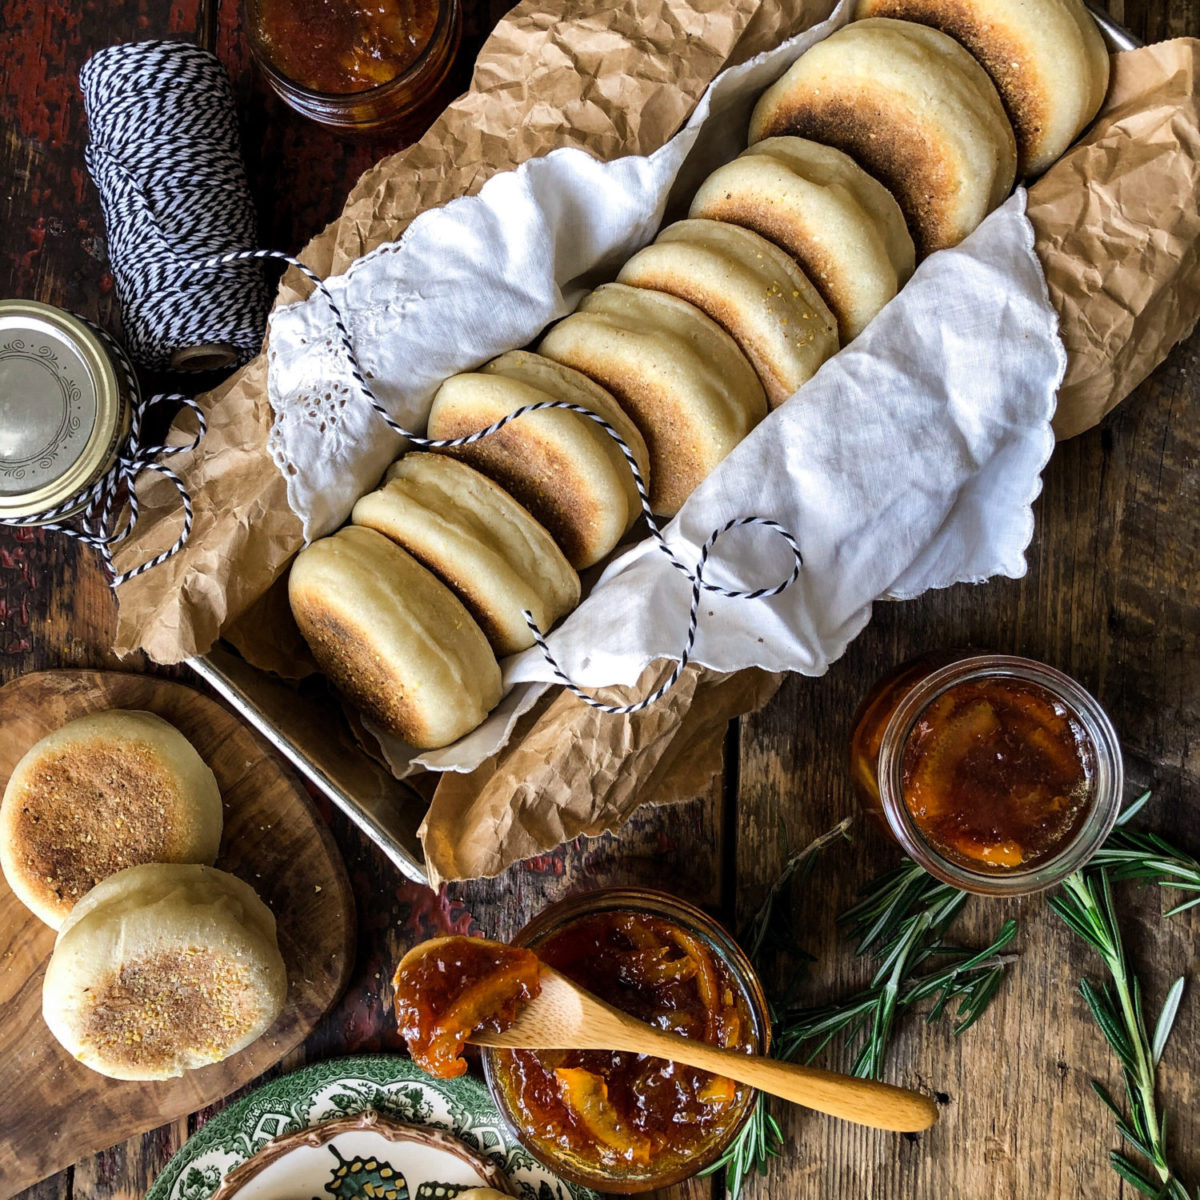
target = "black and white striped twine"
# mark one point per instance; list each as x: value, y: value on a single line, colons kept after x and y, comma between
x: 164, y: 151
x: 93, y: 517
x: 164, y: 156
x: 695, y: 576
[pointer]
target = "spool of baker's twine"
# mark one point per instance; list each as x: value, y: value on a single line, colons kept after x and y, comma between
x: 165, y: 156
x: 164, y: 250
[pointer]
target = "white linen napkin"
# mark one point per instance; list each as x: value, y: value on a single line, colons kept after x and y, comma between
x: 910, y: 461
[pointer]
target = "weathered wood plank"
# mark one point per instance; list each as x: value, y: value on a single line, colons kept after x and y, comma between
x: 1110, y: 598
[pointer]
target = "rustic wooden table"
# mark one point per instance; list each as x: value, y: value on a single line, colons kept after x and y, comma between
x: 1110, y: 597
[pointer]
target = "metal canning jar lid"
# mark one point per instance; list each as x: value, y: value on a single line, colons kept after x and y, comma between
x: 65, y: 401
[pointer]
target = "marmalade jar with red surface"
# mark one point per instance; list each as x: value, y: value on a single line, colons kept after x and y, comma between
x: 624, y: 1122
x: 997, y: 774
x: 358, y: 66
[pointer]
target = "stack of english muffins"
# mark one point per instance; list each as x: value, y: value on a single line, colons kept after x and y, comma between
x: 891, y: 139
x: 162, y: 963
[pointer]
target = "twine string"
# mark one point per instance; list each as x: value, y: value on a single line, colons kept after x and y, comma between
x: 164, y: 154
x: 694, y: 575
x: 107, y: 512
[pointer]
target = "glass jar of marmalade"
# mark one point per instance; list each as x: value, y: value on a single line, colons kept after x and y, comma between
x: 999, y: 775
x: 358, y: 66
x: 628, y: 1122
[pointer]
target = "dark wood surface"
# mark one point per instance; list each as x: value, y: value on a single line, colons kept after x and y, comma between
x: 1110, y: 597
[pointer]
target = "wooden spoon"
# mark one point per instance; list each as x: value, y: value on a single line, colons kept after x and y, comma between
x: 565, y: 1017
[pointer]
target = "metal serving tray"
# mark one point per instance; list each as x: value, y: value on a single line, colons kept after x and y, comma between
x: 309, y: 728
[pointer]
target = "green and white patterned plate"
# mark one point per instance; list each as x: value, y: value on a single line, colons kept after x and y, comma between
x: 391, y: 1086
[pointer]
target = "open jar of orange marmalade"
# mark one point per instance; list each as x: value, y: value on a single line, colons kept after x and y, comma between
x: 363, y: 67
x: 624, y: 1123
x: 999, y: 775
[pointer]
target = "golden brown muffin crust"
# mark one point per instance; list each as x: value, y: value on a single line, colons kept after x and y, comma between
x: 530, y: 471
x: 891, y: 148
x: 345, y: 655
x: 1005, y: 59
x: 182, y: 999
x: 90, y: 811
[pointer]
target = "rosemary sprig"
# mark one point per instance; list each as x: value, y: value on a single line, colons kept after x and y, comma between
x: 901, y: 921
x: 801, y: 863
x: 966, y: 979
x: 761, y: 1139
x: 1149, y: 858
x: 757, y: 1142
x: 1085, y: 904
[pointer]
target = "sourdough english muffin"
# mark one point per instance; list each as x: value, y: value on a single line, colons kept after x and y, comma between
x: 561, y: 466
x: 162, y: 968
x: 1046, y: 57
x: 752, y: 289
x: 912, y: 108
x: 392, y: 638
x: 679, y: 375
x: 478, y: 541
x: 104, y: 792
x: 842, y: 227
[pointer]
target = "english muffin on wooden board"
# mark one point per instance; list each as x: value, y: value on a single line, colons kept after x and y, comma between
x: 273, y: 838
x: 393, y: 638
x: 105, y: 792
x: 754, y: 290
x: 162, y: 968
x: 689, y: 389
x: 1047, y: 59
x: 843, y: 228
x: 561, y: 466
x: 912, y: 108
x: 478, y: 541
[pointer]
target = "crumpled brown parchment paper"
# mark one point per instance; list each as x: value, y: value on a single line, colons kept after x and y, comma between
x: 1116, y: 224
x: 1118, y: 231
x: 571, y: 770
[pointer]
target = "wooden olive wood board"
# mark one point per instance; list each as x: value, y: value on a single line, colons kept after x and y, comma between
x: 55, y: 1111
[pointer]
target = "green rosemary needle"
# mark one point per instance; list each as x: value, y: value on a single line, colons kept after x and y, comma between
x: 1149, y: 858
x: 761, y: 1139
x: 1086, y: 905
x: 900, y: 921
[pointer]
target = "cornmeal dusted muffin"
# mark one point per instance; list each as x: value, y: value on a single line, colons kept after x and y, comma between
x: 843, y: 228
x: 393, y: 638
x: 1047, y: 59
x: 478, y: 541
x: 754, y: 290
x: 914, y: 110
x: 681, y: 378
x: 106, y: 791
x: 562, y: 466
x: 163, y: 968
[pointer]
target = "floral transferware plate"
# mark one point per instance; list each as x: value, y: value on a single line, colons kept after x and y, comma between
x: 388, y: 1085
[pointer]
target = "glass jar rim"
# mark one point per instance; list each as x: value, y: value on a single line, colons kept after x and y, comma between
x: 1107, y: 788
x: 670, y: 907
x: 446, y: 14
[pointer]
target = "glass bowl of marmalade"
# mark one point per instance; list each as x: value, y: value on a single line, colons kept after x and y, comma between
x: 999, y: 775
x: 629, y: 1122
x: 359, y: 66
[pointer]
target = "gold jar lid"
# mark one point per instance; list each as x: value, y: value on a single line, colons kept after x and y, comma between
x: 64, y: 408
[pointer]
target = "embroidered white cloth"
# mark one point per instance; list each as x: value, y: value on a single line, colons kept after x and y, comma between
x: 909, y: 462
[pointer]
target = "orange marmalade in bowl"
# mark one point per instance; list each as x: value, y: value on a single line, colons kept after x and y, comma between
x: 629, y: 1122
x: 997, y: 774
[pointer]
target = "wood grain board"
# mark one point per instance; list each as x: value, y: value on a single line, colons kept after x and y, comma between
x: 54, y: 1109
